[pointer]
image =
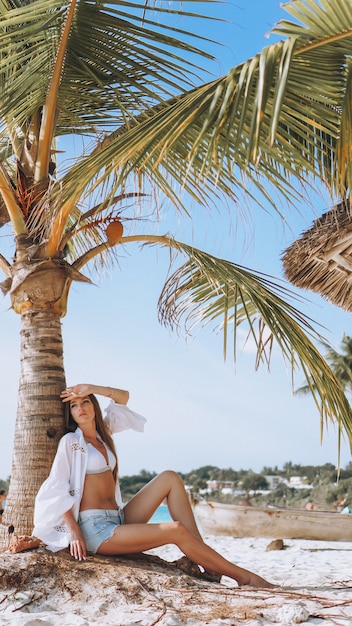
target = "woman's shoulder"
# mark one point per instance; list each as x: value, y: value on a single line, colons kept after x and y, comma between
x: 69, y: 439
x: 70, y: 435
x: 69, y: 444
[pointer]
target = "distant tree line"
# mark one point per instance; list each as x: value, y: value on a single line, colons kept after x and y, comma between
x: 323, y: 479
x: 131, y: 484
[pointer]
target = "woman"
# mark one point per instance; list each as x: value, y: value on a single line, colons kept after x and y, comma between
x: 79, y: 505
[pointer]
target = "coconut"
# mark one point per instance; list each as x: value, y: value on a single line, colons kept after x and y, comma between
x: 114, y: 232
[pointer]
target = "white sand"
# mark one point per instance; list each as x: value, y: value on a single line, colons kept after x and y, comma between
x: 314, y: 587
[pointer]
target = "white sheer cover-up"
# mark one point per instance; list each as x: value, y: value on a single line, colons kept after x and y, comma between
x: 63, y: 488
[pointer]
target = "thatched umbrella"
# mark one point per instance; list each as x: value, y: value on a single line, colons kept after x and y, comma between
x: 321, y: 259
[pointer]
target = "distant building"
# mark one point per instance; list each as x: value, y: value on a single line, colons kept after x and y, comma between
x: 229, y: 486
x: 275, y: 481
x: 225, y: 486
x: 300, y: 482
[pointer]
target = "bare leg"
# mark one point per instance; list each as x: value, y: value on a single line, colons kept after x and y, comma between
x: 134, y: 538
x: 170, y: 487
x: 167, y: 485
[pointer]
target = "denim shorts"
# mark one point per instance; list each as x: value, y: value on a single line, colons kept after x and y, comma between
x: 98, y: 525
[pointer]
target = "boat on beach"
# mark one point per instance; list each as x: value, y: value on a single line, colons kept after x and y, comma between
x: 248, y: 521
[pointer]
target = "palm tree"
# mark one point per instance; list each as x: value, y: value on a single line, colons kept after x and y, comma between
x: 123, y: 77
x: 340, y: 363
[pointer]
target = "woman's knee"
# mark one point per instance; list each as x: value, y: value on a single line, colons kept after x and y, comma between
x: 171, y: 477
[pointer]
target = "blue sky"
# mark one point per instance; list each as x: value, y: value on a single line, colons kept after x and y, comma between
x: 200, y: 410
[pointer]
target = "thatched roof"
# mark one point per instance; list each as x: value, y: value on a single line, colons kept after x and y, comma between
x: 321, y: 259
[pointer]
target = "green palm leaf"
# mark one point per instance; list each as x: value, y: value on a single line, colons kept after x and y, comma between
x: 207, y: 289
x: 272, y: 119
x: 117, y: 61
x: 340, y: 363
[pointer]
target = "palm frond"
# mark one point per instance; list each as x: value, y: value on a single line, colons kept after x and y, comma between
x: 29, y: 36
x: 340, y: 363
x: 206, y: 289
x: 116, y: 64
x: 269, y: 121
x: 273, y: 119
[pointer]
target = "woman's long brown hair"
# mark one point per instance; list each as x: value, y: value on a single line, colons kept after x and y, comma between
x: 102, y: 428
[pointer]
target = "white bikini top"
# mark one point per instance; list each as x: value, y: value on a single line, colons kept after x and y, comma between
x: 96, y: 461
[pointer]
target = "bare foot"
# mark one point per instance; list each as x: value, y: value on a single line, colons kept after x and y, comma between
x: 253, y: 580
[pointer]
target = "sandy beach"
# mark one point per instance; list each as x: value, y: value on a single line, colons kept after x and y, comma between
x: 314, y: 586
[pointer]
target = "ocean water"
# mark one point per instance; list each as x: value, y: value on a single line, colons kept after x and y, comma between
x: 161, y: 515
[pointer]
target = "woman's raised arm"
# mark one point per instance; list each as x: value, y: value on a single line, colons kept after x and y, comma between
x: 120, y: 396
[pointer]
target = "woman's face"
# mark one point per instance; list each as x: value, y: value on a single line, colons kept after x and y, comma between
x: 82, y: 410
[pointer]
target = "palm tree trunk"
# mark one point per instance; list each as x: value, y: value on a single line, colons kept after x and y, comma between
x: 39, y: 423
